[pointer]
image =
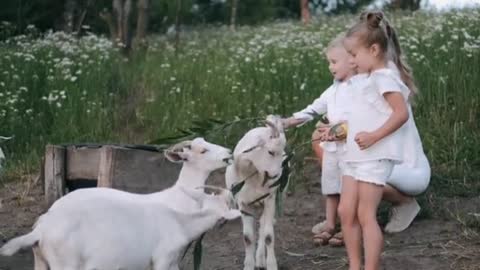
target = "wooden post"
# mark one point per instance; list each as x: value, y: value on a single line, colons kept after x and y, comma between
x: 106, y: 167
x: 54, y: 173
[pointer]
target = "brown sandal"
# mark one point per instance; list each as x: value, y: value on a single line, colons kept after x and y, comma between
x: 323, y: 237
x: 336, y: 240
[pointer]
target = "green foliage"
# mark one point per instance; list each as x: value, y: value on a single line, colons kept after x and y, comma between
x: 218, y: 77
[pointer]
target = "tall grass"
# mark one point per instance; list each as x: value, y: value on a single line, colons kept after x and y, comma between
x: 85, y: 90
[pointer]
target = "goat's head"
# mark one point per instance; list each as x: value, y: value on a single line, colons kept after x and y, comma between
x: 200, y: 153
x: 268, y: 151
x: 221, y: 201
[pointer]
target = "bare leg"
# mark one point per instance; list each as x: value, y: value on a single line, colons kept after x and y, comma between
x: 392, y: 195
x: 331, y: 207
x: 369, y: 198
x: 347, y: 211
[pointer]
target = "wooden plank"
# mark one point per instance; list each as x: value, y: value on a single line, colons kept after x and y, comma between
x: 54, y: 173
x: 82, y: 163
x: 106, y: 166
x: 135, y: 170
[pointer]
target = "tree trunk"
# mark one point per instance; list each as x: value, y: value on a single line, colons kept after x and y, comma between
x: 118, y: 15
x: 177, y: 25
x: 108, y: 18
x: 305, y: 12
x: 127, y: 10
x: 405, y: 4
x: 121, y: 11
x: 81, y: 18
x: 142, y: 22
x: 69, y: 15
x: 233, y: 15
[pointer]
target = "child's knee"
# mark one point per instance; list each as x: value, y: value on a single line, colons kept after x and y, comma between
x: 346, y: 214
x: 366, y: 215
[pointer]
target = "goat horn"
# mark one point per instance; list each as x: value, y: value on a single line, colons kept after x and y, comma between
x: 274, y: 128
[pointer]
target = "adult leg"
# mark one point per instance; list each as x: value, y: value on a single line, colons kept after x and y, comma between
x: 403, y: 184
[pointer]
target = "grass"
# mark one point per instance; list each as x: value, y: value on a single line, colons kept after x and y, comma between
x: 56, y: 89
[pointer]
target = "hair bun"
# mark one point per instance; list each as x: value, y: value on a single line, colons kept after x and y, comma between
x: 372, y: 18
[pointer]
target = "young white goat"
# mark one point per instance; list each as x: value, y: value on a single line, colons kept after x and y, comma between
x: 102, y: 228
x: 258, y: 160
x: 2, y: 155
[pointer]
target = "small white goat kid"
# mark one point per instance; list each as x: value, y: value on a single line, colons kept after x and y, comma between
x: 258, y: 160
x: 2, y: 155
x: 107, y: 229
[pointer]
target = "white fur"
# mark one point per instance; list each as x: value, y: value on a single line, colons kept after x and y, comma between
x: 2, y: 155
x: 257, y: 155
x: 102, y: 228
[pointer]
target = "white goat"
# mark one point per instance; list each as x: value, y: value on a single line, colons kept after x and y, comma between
x: 258, y: 160
x: 107, y: 229
x: 2, y: 155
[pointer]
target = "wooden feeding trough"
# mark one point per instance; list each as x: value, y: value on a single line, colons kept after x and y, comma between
x: 133, y: 168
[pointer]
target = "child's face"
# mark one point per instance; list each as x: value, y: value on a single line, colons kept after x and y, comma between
x: 339, y: 63
x: 363, y: 58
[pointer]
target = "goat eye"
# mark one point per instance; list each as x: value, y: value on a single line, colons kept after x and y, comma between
x: 271, y: 153
x: 204, y: 151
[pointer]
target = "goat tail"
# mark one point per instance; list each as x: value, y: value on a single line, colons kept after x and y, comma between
x: 24, y: 241
x: 21, y: 242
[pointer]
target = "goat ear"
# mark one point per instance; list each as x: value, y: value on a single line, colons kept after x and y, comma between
x: 232, y: 214
x: 176, y: 156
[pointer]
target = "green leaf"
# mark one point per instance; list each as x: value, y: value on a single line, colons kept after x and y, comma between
x: 197, y: 253
x: 186, y: 250
x: 259, y: 198
x: 283, y: 180
x: 237, y: 187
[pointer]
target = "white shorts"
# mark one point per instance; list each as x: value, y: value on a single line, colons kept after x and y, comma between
x: 375, y: 171
x: 331, y: 174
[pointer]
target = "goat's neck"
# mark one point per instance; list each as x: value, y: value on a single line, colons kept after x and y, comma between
x: 204, y: 220
x: 192, y: 177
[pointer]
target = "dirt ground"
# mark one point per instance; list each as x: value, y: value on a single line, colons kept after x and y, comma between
x: 434, y: 243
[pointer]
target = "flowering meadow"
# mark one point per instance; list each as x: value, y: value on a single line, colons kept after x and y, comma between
x: 56, y: 88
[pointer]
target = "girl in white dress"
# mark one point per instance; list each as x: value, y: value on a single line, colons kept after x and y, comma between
x: 376, y: 135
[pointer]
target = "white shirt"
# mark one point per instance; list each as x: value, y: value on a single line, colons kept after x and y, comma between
x: 369, y: 111
x: 413, y: 148
x: 335, y: 101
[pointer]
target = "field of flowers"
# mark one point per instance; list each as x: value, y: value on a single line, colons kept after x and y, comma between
x: 55, y: 88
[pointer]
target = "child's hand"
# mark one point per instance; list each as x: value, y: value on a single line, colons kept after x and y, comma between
x: 285, y: 122
x: 365, y: 139
x: 325, y: 134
